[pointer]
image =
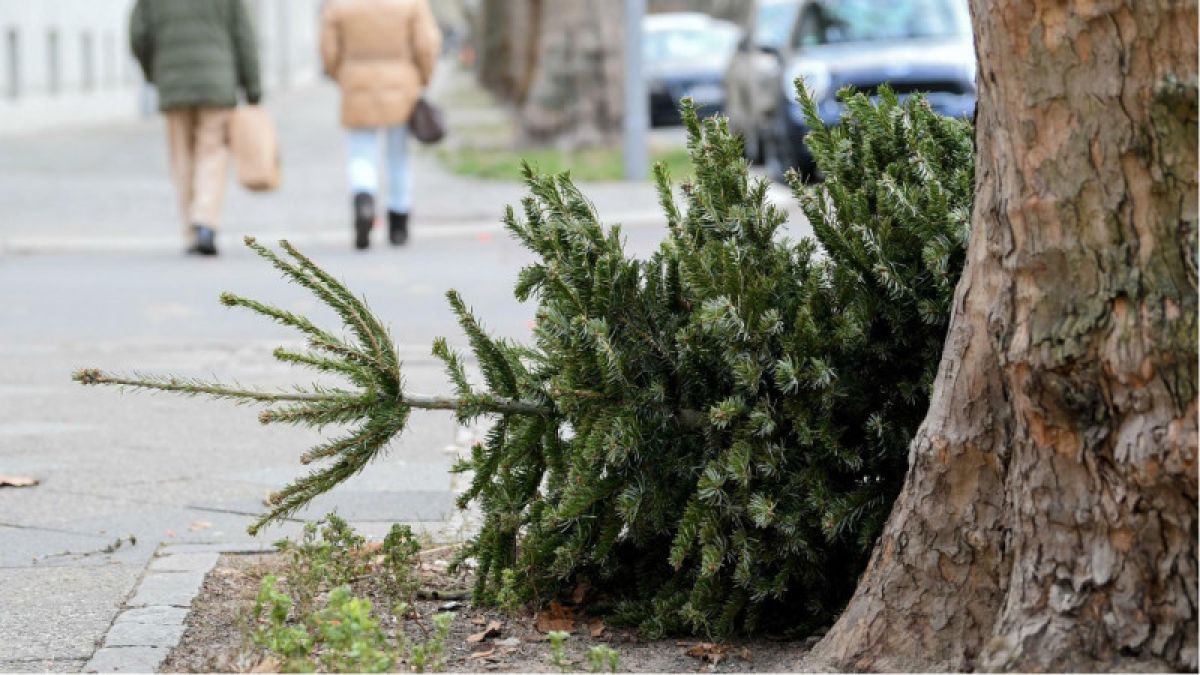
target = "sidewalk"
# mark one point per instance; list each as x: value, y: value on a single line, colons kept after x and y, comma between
x: 106, y: 188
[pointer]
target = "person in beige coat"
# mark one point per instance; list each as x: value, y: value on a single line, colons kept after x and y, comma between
x: 382, y: 54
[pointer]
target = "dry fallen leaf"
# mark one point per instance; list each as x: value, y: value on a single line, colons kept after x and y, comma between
x: 199, y: 525
x: 555, y: 617
x: 487, y: 653
x: 17, y: 481
x: 579, y: 594
x: 267, y: 665
x: 708, y: 651
x: 596, y: 628
x: 492, y: 630
x: 368, y: 550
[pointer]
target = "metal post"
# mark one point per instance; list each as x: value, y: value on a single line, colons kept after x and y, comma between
x: 637, y: 105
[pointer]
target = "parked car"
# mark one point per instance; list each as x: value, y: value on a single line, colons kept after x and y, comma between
x: 752, y: 80
x: 686, y: 54
x: 911, y: 45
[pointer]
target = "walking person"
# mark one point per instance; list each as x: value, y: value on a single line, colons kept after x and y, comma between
x: 198, y: 54
x: 382, y: 54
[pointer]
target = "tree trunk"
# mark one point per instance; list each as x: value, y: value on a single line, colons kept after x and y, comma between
x: 1049, y: 518
x: 507, y: 44
x: 575, y: 96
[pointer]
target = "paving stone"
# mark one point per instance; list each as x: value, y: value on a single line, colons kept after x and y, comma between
x: 225, y: 547
x: 51, y: 614
x: 126, y: 660
x: 157, y: 614
x: 132, y: 634
x: 168, y: 588
x: 42, y: 665
x: 185, y: 562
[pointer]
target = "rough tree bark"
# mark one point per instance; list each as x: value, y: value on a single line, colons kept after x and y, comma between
x: 1049, y: 519
x: 507, y: 35
x: 558, y: 64
x: 575, y: 93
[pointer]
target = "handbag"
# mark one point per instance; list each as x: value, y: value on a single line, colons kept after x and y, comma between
x: 427, y: 123
x: 255, y: 145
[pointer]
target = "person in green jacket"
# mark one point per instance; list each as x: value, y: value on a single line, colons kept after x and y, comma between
x: 198, y: 54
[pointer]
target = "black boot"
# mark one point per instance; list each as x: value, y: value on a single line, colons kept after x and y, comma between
x: 398, y: 228
x: 364, y: 219
x: 204, y: 240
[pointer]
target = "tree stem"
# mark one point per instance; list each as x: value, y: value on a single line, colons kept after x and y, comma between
x: 92, y: 376
x: 489, y: 403
x: 690, y: 419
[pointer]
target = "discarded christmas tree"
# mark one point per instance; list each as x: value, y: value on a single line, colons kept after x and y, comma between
x: 713, y: 435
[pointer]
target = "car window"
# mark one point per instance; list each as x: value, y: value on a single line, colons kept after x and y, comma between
x: 839, y: 21
x: 773, y: 21
x: 686, y: 43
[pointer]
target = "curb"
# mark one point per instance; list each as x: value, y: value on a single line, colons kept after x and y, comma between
x: 152, y: 622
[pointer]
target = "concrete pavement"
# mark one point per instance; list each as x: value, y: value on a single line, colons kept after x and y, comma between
x: 105, y: 188
x: 91, y: 275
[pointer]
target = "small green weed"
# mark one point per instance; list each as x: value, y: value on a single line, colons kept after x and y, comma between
x: 400, y: 549
x: 508, y: 598
x: 350, y: 639
x: 343, y: 634
x: 342, y: 637
x: 431, y: 654
x: 326, y: 556
x: 558, y: 650
x: 291, y: 644
x: 601, y: 658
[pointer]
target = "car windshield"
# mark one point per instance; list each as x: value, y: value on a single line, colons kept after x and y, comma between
x: 872, y: 20
x: 773, y: 22
x: 681, y: 44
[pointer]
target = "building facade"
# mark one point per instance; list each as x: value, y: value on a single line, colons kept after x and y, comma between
x: 67, y: 62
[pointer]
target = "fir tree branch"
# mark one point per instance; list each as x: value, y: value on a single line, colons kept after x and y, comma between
x: 188, y: 387
x: 491, y: 404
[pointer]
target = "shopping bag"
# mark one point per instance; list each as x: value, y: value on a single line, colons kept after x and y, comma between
x: 255, y: 147
x: 427, y: 124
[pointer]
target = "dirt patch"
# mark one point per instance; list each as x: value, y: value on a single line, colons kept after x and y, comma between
x: 480, y: 640
x: 217, y: 624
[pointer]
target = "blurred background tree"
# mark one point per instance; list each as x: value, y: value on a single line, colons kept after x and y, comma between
x: 558, y: 65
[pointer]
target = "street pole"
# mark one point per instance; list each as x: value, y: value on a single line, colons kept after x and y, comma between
x: 636, y: 119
